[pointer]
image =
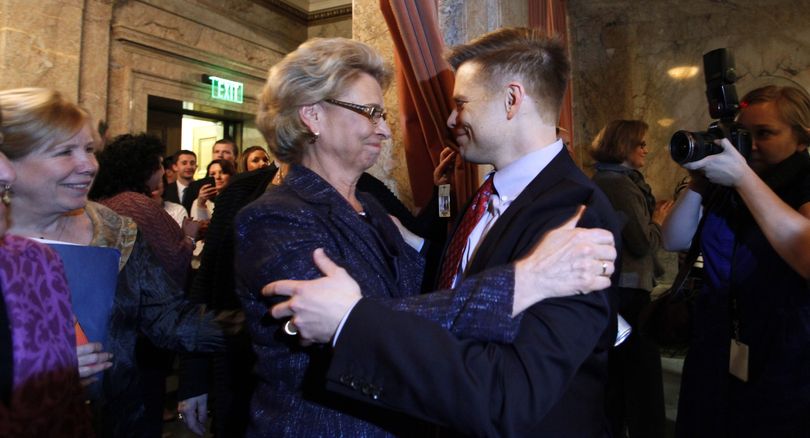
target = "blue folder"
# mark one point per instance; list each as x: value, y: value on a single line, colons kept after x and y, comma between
x: 92, y: 274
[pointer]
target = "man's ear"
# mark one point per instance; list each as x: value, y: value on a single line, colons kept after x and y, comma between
x: 515, y: 95
x: 311, y: 117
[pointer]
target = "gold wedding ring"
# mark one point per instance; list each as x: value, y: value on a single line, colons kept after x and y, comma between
x: 290, y: 328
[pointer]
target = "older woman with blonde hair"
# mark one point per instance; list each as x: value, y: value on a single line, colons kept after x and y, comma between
x: 51, y: 144
x: 40, y: 392
x: 321, y: 111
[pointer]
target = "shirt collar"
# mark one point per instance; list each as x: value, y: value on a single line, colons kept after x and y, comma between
x: 510, y: 181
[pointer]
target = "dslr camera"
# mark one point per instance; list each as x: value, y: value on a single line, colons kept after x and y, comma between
x: 686, y: 146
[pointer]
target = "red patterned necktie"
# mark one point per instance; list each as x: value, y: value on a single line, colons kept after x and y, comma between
x: 452, y: 257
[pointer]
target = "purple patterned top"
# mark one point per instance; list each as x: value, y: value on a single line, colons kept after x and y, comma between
x: 46, y: 398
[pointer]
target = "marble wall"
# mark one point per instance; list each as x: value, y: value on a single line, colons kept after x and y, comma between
x: 459, y: 22
x: 163, y: 47
x: 368, y: 25
x: 331, y: 28
x: 109, y: 55
x: 40, y: 43
x: 623, y: 50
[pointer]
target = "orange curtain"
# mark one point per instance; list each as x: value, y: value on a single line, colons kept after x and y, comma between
x: 549, y: 15
x: 425, y: 95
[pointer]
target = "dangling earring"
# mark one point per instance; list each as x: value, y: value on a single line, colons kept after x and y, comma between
x: 6, y: 198
x: 314, y: 137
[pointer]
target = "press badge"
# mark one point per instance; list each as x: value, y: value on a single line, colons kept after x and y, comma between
x: 444, y: 200
x: 738, y: 360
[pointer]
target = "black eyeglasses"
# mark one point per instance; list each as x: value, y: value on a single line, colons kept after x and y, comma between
x: 373, y: 112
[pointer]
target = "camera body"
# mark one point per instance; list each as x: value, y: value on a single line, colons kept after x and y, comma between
x: 720, y: 74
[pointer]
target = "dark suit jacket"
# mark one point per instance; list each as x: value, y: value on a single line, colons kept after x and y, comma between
x: 192, y: 191
x: 170, y: 193
x: 275, y: 238
x: 214, y: 285
x: 549, y: 382
x: 230, y: 374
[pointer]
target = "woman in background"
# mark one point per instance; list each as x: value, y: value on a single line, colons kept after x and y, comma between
x: 747, y: 369
x: 635, y: 387
x: 221, y: 171
x: 129, y: 171
x: 51, y: 144
x: 40, y: 394
x: 254, y: 157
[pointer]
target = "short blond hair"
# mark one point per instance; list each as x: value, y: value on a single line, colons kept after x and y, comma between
x: 318, y: 69
x: 539, y: 61
x: 792, y: 103
x: 37, y: 118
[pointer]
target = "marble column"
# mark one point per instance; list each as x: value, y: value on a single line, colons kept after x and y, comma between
x: 463, y: 20
x: 40, y: 44
x: 369, y: 27
x: 95, y: 57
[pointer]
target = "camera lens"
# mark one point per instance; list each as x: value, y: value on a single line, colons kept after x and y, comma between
x: 682, y: 147
x: 685, y: 146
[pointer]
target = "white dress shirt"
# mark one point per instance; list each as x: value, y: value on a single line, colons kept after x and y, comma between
x: 509, y: 183
x: 181, y: 190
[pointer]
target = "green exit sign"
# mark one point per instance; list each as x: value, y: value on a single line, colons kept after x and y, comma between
x: 223, y: 89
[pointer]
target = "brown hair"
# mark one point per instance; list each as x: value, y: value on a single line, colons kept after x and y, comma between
x: 37, y: 118
x: 226, y: 165
x: 792, y: 103
x: 540, y: 62
x: 318, y: 69
x: 243, y: 162
x: 617, y: 140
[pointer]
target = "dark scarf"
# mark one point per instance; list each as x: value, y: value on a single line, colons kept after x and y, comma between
x: 785, y: 175
x: 634, y: 176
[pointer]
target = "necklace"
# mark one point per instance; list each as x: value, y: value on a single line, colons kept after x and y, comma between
x: 277, y: 180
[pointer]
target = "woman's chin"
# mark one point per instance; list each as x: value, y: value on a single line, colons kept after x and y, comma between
x: 370, y: 158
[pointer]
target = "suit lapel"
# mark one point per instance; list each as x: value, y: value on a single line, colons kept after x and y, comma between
x: 170, y: 193
x: 546, y: 201
x: 354, y: 232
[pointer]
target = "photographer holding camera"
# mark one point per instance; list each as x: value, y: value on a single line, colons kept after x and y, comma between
x: 747, y: 372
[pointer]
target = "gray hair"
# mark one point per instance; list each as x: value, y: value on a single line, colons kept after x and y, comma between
x: 318, y: 69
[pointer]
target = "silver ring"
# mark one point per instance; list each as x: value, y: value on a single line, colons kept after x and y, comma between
x: 180, y: 416
x: 604, y: 269
x: 290, y: 328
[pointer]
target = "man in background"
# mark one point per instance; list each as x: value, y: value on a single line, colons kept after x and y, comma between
x: 185, y: 165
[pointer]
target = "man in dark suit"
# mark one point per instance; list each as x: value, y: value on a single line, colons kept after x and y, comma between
x: 185, y: 164
x: 550, y: 380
